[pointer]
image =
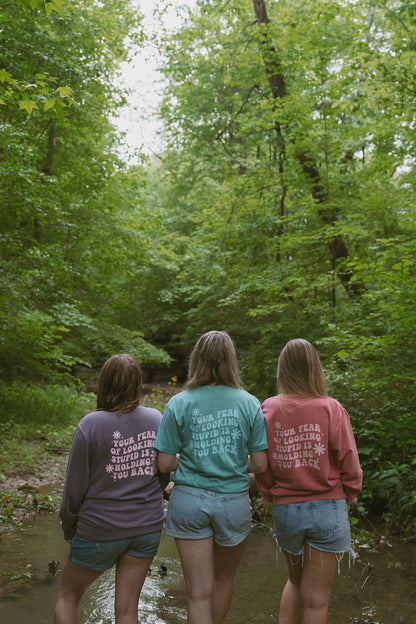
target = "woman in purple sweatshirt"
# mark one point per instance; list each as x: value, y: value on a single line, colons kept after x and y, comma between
x: 112, y: 509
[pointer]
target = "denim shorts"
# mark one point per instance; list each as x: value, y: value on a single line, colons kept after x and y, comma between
x: 323, y: 524
x: 197, y: 514
x: 103, y: 555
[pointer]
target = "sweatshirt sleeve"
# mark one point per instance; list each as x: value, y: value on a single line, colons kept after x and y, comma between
x: 345, y: 455
x: 76, y: 484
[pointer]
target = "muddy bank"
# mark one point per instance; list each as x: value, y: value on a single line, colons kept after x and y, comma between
x: 51, y: 476
x: 24, y: 495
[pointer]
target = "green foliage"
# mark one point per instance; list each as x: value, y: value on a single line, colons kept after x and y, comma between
x: 47, y: 405
x: 70, y: 208
x: 46, y: 5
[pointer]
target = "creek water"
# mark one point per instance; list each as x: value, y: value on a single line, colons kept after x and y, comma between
x: 27, y: 592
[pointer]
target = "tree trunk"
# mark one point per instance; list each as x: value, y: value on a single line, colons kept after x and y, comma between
x: 276, y: 79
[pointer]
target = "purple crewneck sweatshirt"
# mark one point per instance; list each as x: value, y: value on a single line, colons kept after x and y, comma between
x: 112, y: 489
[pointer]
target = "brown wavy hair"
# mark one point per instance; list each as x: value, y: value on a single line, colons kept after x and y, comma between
x: 299, y: 370
x: 213, y: 361
x: 119, y: 384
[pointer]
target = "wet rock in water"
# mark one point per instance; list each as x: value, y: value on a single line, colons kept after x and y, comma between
x: 162, y: 571
x: 53, y: 567
x: 25, y: 486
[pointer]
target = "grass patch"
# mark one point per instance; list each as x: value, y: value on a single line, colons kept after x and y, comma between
x: 35, y: 422
x: 43, y: 404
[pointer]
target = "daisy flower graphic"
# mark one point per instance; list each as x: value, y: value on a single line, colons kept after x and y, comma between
x: 116, y: 435
x: 319, y: 449
x: 277, y: 425
x: 195, y: 412
x: 109, y: 468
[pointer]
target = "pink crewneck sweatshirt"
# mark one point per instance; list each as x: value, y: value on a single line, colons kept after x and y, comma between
x: 312, y: 452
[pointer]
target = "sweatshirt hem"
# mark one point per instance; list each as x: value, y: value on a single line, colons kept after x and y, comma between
x: 116, y: 534
x: 278, y: 499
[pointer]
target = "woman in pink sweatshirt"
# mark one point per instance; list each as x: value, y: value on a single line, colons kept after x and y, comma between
x: 313, y: 473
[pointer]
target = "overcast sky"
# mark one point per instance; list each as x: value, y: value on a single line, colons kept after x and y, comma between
x: 142, y: 77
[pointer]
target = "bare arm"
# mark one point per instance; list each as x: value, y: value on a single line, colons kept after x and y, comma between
x: 166, y: 462
x: 257, y: 461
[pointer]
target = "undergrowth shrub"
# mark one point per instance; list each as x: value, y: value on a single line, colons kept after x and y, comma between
x: 54, y: 404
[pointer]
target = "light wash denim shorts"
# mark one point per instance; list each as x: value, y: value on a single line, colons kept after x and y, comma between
x: 323, y: 524
x: 103, y: 555
x: 197, y: 514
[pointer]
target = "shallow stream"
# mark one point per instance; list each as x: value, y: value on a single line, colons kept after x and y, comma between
x: 384, y: 595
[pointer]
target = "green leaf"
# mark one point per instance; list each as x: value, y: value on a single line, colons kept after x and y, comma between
x: 49, y: 104
x: 64, y: 92
x: 54, y: 5
x: 4, y: 75
x: 28, y: 105
x: 33, y: 4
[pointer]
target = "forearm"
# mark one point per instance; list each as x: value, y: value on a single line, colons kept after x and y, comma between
x: 257, y: 462
x: 167, y: 462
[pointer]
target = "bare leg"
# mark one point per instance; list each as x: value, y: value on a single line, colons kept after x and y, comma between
x: 74, y: 582
x: 290, y: 611
x: 130, y: 575
x: 306, y: 596
x: 226, y: 561
x: 319, y: 569
x: 198, y: 570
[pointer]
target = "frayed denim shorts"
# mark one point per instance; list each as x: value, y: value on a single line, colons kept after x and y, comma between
x: 196, y: 514
x: 323, y: 524
x: 103, y: 555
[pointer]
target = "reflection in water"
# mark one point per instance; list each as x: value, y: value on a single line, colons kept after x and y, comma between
x: 388, y: 597
x: 162, y: 599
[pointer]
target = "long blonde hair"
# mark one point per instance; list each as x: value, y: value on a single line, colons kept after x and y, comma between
x: 299, y: 370
x: 213, y: 361
x: 119, y: 384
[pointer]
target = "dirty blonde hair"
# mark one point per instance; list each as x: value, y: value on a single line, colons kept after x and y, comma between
x: 119, y: 384
x: 213, y: 361
x: 299, y: 370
